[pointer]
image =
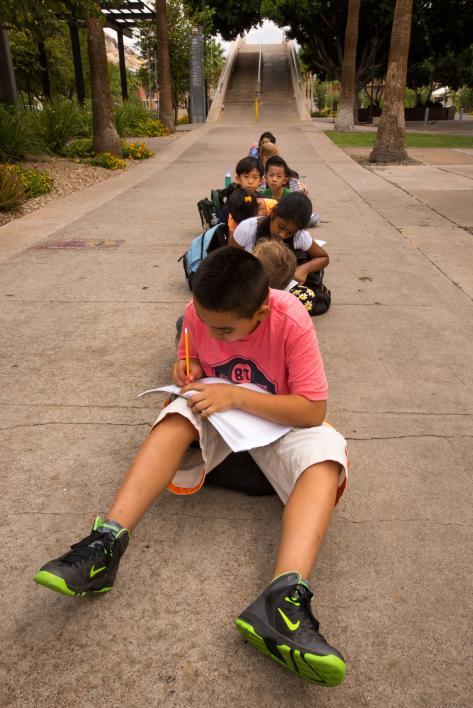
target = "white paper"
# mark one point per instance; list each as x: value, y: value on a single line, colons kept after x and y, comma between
x: 240, y: 430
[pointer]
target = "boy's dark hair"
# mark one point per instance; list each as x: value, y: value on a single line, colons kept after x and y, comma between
x: 267, y: 134
x: 277, y: 161
x: 294, y: 206
x: 242, y: 205
x: 231, y: 280
x: 248, y: 163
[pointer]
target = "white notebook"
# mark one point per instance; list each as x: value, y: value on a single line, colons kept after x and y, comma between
x: 240, y: 430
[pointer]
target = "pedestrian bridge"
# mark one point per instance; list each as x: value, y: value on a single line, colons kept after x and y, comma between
x: 266, y: 73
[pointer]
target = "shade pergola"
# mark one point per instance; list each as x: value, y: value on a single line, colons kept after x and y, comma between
x: 122, y: 19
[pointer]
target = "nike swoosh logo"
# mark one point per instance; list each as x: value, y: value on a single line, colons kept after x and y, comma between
x: 94, y: 570
x: 291, y: 625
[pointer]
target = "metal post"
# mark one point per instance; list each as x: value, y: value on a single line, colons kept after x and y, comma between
x: 77, y: 60
x: 197, y: 84
x: 8, y: 92
x: 121, y: 58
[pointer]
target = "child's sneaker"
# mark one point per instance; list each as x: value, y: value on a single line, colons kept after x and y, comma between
x: 280, y: 624
x: 91, y: 565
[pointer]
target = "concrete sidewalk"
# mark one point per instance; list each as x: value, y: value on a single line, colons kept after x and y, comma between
x: 85, y: 330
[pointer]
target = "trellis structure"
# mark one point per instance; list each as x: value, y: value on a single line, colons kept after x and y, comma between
x: 122, y: 19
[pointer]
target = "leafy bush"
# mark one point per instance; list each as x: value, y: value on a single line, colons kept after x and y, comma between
x: 464, y: 98
x: 107, y: 160
x: 136, y: 151
x: 20, y: 134
x: 12, y: 188
x: 36, y: 182
x: 61, y: 122
x: 80, y: 147
x: 151, y: 128
x: 183, y: 120
x: 132, y: 119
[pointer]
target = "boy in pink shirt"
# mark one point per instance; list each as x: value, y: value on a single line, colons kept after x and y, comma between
x: 242, y: 331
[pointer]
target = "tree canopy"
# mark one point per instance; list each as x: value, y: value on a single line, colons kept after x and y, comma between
x: 440, y: 47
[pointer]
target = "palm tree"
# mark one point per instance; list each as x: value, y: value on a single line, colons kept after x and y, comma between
x: 346, y: 106
x: 166, y: 112
x: 390, y: 143
x: 104, y: 133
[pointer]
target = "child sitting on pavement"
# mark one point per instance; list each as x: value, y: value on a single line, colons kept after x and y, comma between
x: 287, y: 222
x: 276, y: 177
x: 243, y: 204
x: 280, y: 180
x: 280, y: 265
x: 241, y: 330
x: 265, y: 138
x: 248, y: 175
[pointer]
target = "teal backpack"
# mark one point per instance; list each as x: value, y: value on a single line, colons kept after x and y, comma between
x: 201, y: 246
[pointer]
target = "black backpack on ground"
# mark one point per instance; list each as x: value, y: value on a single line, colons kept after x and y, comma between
x: 207, y: 212
x: 209, y: 209
x: 314, y: 281
x: 240, y: 472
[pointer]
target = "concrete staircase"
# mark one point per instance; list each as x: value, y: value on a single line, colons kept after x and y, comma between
x: 277, y: 97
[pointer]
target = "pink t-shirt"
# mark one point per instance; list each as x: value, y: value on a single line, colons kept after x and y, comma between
x: 281, y: 355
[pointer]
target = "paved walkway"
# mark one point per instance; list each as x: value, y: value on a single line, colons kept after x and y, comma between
x: 85, y: 330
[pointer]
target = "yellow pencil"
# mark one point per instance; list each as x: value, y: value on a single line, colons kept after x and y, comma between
x: 186, y: 347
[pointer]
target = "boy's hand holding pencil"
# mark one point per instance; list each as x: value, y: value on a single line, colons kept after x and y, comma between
x: 179, y: 374
x: 187, y: 370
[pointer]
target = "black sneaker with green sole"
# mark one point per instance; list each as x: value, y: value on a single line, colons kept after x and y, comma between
x: 91, y: 565
x: 280, y: 624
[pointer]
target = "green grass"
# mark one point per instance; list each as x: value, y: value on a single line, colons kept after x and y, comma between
x: 414, y: 140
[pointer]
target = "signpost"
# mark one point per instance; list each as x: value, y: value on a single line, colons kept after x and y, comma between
x: 197, y: 81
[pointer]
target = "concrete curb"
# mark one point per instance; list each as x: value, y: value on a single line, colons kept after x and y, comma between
x: 21, y: 234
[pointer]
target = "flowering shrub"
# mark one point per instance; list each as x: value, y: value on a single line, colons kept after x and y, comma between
x: 36, y: 182
x: 17, y: 185
x: 107, y: 160
x: 136, y: 151
x: 150, y: 127
x: 12, y: 188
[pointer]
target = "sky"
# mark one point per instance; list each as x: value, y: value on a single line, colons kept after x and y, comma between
x: 268, y: 33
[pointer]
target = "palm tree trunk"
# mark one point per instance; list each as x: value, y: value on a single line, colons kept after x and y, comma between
x: 390, y: 143
x: 105, y: 136
x: 166, y: 110
x: 344, y: 120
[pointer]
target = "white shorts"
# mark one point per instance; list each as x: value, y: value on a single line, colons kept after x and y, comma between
x: 282, y: 462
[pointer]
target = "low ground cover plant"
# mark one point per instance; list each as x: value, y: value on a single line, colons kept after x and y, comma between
x: 420, y: 140
x: 132, y: 119
x: 36, y: 182
x: 136, y: 151
x: 17, y: 185
x: 80, y: 147
x: 12, y: 188
x: 108, y: 161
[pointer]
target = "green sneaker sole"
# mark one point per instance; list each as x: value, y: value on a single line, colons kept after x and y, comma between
x: 323, y: 670
x: 54, y: 582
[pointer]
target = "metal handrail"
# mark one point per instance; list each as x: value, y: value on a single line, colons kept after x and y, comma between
x: 296, y: 64
x: 229, y: 63
x: 260, y: 66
